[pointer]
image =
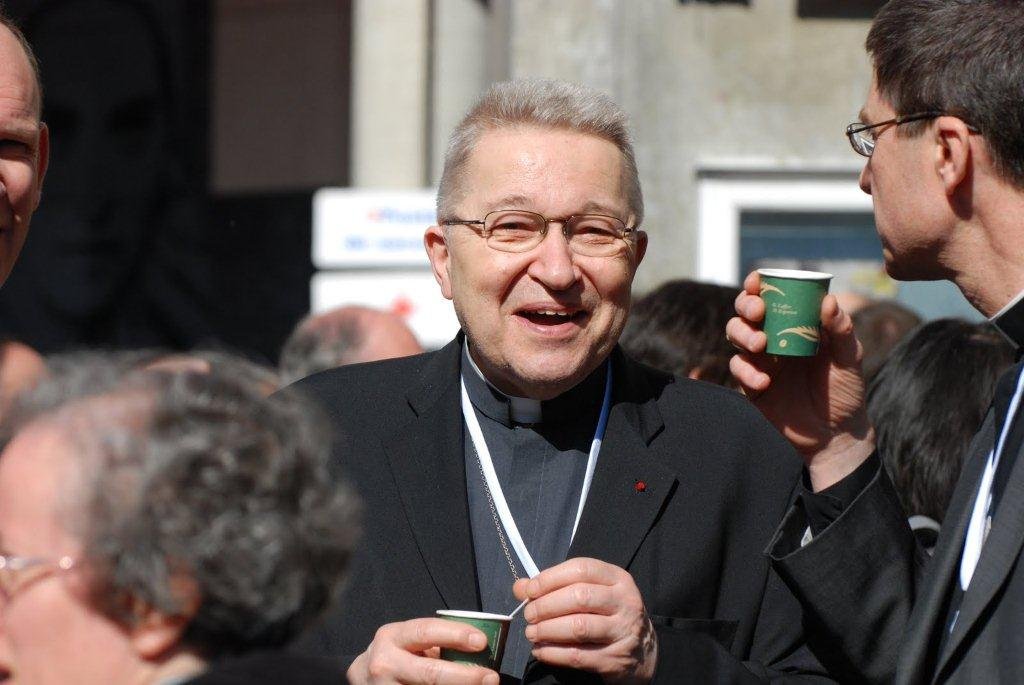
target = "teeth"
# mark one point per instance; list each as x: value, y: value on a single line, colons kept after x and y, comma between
x: 550, y: 313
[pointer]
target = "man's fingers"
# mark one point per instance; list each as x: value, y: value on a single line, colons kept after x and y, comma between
x: 745, y: 337
x: 574, y: 629
x: 436, y: 671
x: 750, y: 307
x: 581, y: 657
x: 579, y: 570
x: 846, y: 351
x: 578, y: 598
x: 752, y: 283
x: 753, y: 381
x: 420, y: 634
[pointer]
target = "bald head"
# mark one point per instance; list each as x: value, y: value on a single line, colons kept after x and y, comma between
x: 346, y: 335
x: 13, y: 41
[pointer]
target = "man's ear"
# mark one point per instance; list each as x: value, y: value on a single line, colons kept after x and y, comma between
x: 43, y: 161
x: 153, y: 633
x: 436, y: 243
x: 953, y: 156
x: 641, y: 247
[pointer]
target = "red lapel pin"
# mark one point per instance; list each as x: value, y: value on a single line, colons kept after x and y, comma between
x: 639, y: 486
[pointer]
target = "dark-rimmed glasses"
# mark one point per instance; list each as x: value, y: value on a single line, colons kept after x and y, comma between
x: 862, y: 137
x: 17, y: 573
x: 518, y: 230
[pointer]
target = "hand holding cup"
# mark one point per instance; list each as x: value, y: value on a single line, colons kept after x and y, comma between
x: 817, y: 403
x: 408, y: 652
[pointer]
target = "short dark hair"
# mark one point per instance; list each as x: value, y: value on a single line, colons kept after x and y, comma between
x: 680, y: 326
x: 7, y: 22
x: 961, y: 57
x: 879, y: 327
x: 197, y: 475
x: 926, y: 403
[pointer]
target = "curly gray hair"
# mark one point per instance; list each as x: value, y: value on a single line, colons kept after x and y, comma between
x: 544, y: 103
x: 195, y: 476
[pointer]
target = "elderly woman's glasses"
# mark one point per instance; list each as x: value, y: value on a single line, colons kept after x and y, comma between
x: 514, y: 230
x: 17, y: 573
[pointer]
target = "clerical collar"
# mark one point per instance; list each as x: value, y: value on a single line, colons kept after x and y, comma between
x: 583, y: 400
x: 1010, y: 321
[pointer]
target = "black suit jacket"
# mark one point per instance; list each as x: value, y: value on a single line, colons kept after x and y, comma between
x: 716, y: 477
x: 879, y: 605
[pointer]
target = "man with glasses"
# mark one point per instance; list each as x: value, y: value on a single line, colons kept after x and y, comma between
x: 531, y: 460
x: 943, y: 134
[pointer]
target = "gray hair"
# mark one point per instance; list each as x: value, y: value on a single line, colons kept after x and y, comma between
x: 195, y: 476
x: 543, y: 103
x: 318, y: 344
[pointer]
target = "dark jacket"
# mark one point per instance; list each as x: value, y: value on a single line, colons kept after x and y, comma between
x: 879, y: 605
x: 272, y: 668
x: 716, y: 477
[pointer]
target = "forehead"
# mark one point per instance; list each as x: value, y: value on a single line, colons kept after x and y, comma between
x: 34, y: 472
x: 547, y: 170
x: 876, y: 107
x: 18, y: 98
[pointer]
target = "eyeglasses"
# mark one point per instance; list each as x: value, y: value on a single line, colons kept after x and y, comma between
x: 17, y: 573
x: 863, y: 136
x: 516, y: 230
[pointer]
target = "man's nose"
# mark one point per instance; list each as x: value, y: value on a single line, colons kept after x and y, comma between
x: 865, y: 177
x: 554, y: 262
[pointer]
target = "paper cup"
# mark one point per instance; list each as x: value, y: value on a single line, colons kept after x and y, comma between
x: 792, y: 310
x: 494, y: 626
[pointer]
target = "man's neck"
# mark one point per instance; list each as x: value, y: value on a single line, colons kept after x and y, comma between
x: 988, y: 265
x: 517, y: 388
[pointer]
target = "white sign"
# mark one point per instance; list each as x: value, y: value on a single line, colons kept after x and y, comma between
x: 412, y: 294
x: 370, y: 228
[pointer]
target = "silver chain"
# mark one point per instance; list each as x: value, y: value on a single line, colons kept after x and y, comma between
x: 494, y: 516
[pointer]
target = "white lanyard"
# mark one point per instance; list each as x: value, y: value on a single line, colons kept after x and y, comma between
x: 976, y: 529
x: 495, y: 487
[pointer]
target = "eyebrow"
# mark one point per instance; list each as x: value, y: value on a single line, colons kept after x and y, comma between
x: 521, y: 201
x: 22, y: 130
x: 862, y: 117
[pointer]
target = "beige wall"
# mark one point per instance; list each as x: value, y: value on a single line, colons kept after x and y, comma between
x: 706, y: 86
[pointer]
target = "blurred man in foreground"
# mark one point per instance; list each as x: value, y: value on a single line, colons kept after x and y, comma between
x: 161, y: 527
x: 531, y: 459
x: 943, y: 132
x: 346, y: 335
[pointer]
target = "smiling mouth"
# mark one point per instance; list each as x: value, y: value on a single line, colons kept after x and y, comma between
x: 550, y: 317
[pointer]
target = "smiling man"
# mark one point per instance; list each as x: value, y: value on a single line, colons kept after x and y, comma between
x: 531, y: 459
x: 24, y: 143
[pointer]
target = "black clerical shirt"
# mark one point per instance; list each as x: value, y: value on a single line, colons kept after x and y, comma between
x: 540, y: 462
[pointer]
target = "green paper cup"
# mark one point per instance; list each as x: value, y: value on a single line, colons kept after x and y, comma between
x: 494, y: 626
x: 792, y: 310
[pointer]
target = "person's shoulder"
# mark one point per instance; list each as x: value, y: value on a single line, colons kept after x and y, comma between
x: 686, y: 393
x: 717, y: 421
x: 271, y: 667
x: 369, y: 377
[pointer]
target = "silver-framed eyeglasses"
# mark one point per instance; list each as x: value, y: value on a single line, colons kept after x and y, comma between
x: 518, y: 230
x: 863, y: 136
x: 17, y: 573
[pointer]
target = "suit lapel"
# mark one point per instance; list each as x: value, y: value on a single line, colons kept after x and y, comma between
x: 629, y: 486
x: 426, y: 453
x: 1001, y: 550
x: 927, y: 619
